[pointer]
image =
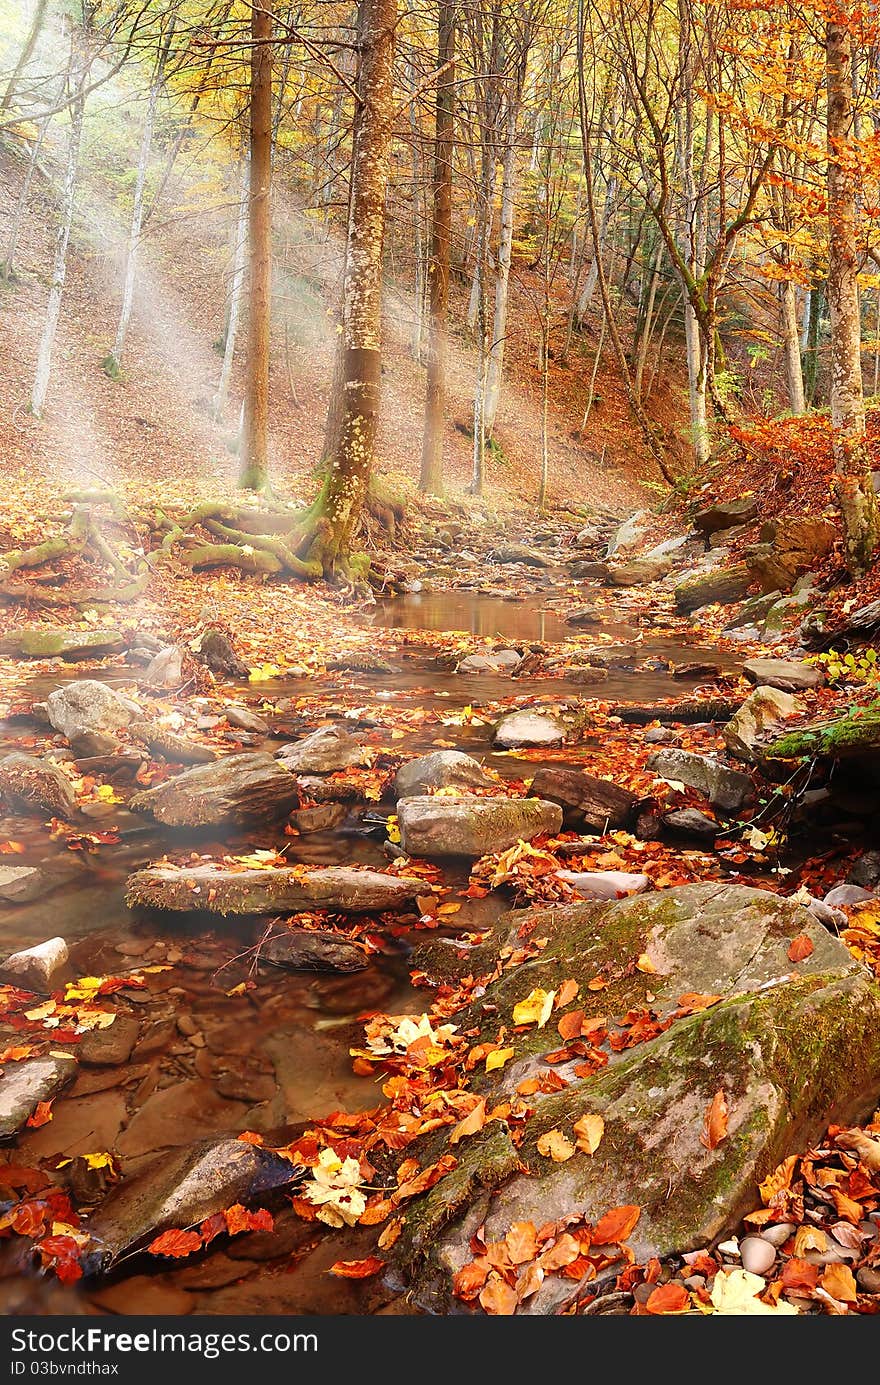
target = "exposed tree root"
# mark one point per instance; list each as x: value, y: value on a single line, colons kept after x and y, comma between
x: 83, y: 534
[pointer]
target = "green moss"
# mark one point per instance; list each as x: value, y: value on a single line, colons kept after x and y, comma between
x: 860, y: 730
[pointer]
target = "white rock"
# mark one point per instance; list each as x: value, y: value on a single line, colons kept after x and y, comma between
x: 757, y: 1255
x: 605, y: 884
x: 33, y: 968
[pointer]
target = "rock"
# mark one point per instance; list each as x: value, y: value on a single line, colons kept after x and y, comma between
x: 140, y: 1293
x: 584, y: 615
x: 843, y: 738
x: 589, y: 571
x: 845, y: 895
x: 494, y: 661
x: 660, y: 735
x: 58, y: 642
x: 111, y: 1046
x: 727, y: 789
x: 245, y: 720
x: 250, y: 787
x: 778, y: 1233
x: 753, y: 612
x: 21, y: 884
x: 31, y: 784
x: 183, y: 1188
x: 165, y: 669
x: 727, y: 515
x: 584, y: 799
x: 638, y: 572
x: 89, y: 714
x: 442, y: 769
x: 33, y: 969
x: 470, y: 826
x: 520, y: 553
x: 301, y: 949
x: 521, y: 730
x: 322, y: 817
x: 696, y: 669
x: 722, y: 586
x: 788, y: 674
x: 757, y: 1255
x: 868, y: 1279
x: 292, y: 888
x: 762, y: 711
x: 25, y: 1084
x: 325, y: 751
x: 214, y: 648
x: 589, y: 536
x: 792, y: 1047
x: 690, y: 822
x: 629, y: 534
x: 865, y: 870
x: 605, y: 884
x: 796, y: 544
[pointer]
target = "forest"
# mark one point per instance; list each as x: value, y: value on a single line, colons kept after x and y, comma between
x: 439, y: 700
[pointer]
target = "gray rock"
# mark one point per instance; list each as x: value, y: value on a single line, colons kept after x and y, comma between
x: 727, y: 514
x: 757, y: 1255
x: 223, y: 891
x: 521, y: 730
x: 690, y: 822
x: 605, y: 884
x: 111, y: 1046
x: 301, y: 949
x: 584, y: 615
x: 660, y: 735
x: 85, y: 710
x: 491, y: 661
x: 762, y: 711
x: 520, y: 553
x: 24, y: 1085
x: 723, y: 585
x: 586, y: 801
x: 56, y: 642
x: 320, y: 817
x: 32, y: 784
x: 33, y: 968
x: 325, y: 751
x: 727, y: 789
x: 865, y: 870
x: 638, y: 571
x: 245, y: 720
x: 21, y: 884
x: 165, y: 669
x: 249, y: 787
x: 468, y: 826
x: 845, y: 895
x: 442, y: 769
x: 629, y: 534
x: 788, y: 674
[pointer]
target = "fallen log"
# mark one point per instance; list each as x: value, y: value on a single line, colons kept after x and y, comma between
x: 222, y: 890
x: 687, y: 711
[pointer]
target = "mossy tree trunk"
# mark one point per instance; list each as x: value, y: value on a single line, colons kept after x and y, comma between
x: 254, y: 456
x: 853, y: 488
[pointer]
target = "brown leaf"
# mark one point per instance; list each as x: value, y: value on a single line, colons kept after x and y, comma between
x: 564, y: 1251
x: 616, y: 1225
x: 498, y: 1298
x: 801, y: 948
x: 566, y: 993
x: 668, y: 1298
x: 569, y: 1027
x: 357, y: 1269
x: 522, y: 1242
x: 469, y: 1280
x: 715, y: 1123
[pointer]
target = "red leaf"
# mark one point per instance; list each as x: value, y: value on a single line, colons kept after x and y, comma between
x: 358, y: 1269
x: 801, y: 948
x: 239, y: 1219
x: 175, y: 1244
x: 42, y: 1115
x: 668, y: 1298
x: 616, y: 1225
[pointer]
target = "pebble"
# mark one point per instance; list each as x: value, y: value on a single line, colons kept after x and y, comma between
x: 869, y: 1279
x: 779, y: 1233
x: 757, y: 1255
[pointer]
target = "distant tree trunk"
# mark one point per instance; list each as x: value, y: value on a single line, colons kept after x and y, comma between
x: 348, y: 475
x: 239, y: 254
x: 113, y: 362
x: 78, y: 70
x: 431, y: 480
x: 8, y: 270
x: 811, y: 343
x: 649, y: 298
x: 853, y: 488
x: 502, y: 267
x: 254, y: 473
x: 791, y: 347
x: 26, y: 53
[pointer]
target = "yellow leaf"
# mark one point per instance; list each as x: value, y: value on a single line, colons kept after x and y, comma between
x: 735, y: 1292
x: 535, y: 1009
x: 498, y: 1058
x: 589, y: 1131
x: 554, y: 1145
x: 645, y: 964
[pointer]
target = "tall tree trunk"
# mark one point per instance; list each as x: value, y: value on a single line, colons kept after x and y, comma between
x: 348, y: 475
x: 502, y: 268
x: 239, y: 256
x: 78, y: 72
x: 26, y: 53
x: 791, y: 346
x: 113, y: 362
x: 254, y: 473
x: 431, y: 480
x: 853, y: 488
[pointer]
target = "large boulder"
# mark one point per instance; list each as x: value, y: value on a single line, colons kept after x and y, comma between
x: 469, y: 826
x: 585, y: 800
x: 720, y: 586
x: 725, y: 788
x: 224, y: 891
x: 525, y: 730
x: 442, y: 769
x: 795, y: 544
x: 325, y: 751
x: 726, y: 515
x: 30, y: 783
x: 89, y: 714
x: 790, y: 1045
x: 245, y: 788
x: 762, y: 711
x: 790, y: 675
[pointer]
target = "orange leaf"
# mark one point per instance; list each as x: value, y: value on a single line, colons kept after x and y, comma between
x: 175, y: 1244
x: 469, y: 1280
x: 357, y: 1269
x: 566, y: 993
x: 715, y: 1122
x: 554, y: 1145
x: 839, y: 1283
x: 498, y: 1298
x: 589, y: 1131
x: 564, y: 1251
x: 668, y: 1298
x: 472, y: 1122
x: 801, y: 948
x: 239, y: 1219
x: 42, y: 1114
x: 522, y: 1242
x: 569, y: 1027
x: 616, y: 1225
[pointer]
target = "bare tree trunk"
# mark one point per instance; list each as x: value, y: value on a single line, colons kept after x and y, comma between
x: 431, y: 480
x: 8, y: 270
x: 647, y: 323
x: 502, y: 268
x: 26, y: 53
x: 78, y: 72
x: 791, y: 347
x: 113, y: 361
x: 853, y: 488
x: 254, y: 473
x: 239, y: 255
x: 349, y: 473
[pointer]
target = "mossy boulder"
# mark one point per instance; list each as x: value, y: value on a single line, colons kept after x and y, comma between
x: 437, y: 827
x: 57, y: 642
x: 248, y: 788
x: 853, y: 734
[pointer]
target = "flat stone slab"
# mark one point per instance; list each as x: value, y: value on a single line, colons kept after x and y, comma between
x: 34, y: 785
x: 24, y: 1085
x: 441, y: 769
x: 325, y: 751
x: 37, y: 642
x: 586, y: 801
x: 220, y: 890
x: 470, y: 826
x: 251, y: 787
x: 521, y: 730
x: 788, y: 674
x: 302, y: 949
